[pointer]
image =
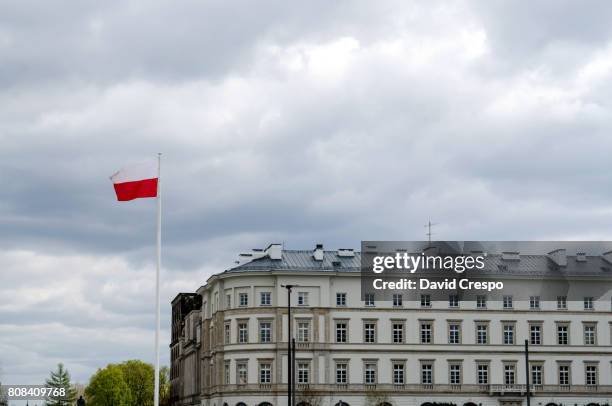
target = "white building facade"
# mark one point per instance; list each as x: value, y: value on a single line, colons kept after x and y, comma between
x: 229, y: 347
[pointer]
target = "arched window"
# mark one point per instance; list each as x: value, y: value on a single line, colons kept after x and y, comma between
x: 342, y: 403
x: 241, y: 404
x: 303, y: 404
x: 470, y: 404
x: 384, y: 404
x: 265, y: 404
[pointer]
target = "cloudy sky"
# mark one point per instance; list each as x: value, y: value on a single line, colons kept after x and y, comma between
x: 294, y: 122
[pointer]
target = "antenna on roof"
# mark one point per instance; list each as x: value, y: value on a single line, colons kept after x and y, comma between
x: 429, y: 233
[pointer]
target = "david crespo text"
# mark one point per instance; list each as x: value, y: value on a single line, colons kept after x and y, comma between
x: 446, y: 284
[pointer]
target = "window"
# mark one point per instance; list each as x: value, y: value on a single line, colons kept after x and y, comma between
x: 589, y: 334
x: 481, y: 302
x: 482, y: 333
x: 426, y: 373
x: 561, y: 302
x: 369, y: 332
x: 534, y: 302
x: 454, y: 333
x: 426, y: 332
x: 265, y: 373
x: 340, y: 299
x: 303, y: 331
x: 455, y: 374
x: 226, y: 373
x: 243, y: 332
x: 453, y: 301
x: 588, y: 303
x: 265, y: 299
x: 370, y: 373
x: 562, y: 334
x: 227, y: 331
x: 508, y: 334
x: 228, y: 301
x: 303, y: 369
x: 302, y: 298
x: 369, y: 299
x: 509, y: 372
x: 425, y: 301
x: 341, y: 327
x: 397, y: 300
x: 398, y: 373
x: 564, y: 374
x: 242, y: 372
x: 243, y: 299
x: 590, y: 372
x: 507, y: 302
x: 398, y: 332
x: 535, y: 334
x: 536, y: 374
x: 265, y: 332
x: 482, y: 371
x: 341, y: 372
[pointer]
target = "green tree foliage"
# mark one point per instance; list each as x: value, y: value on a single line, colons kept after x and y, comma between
x: 3, y: 398
x: 107, y: 387
x: 164, y: 386
x: 60, y: 379
x: 130, y: 383
x: 140, y: 378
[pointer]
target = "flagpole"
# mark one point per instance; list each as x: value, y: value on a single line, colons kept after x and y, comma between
x: 156, y: 393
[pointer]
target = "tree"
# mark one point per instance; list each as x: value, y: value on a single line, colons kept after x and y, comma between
x: 309, y: 397
x: 107, y: 387
x: 140, y: 378
x: 374, y: 398
x: 3, y: 398
x: 60, y: 379
x: 164, y: 386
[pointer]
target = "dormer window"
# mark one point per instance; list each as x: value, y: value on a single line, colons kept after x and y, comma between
x: 302, y: 298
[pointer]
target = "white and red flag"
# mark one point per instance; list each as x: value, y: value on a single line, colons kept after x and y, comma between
x: 136, y: 181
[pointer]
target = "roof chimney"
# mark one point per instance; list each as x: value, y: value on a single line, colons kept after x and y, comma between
x: 275, y: 251
x: 318, y: 252
x: 558, y: 257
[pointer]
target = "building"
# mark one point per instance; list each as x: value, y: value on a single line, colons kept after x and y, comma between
x: 229, y: 344
x: 184, y: 353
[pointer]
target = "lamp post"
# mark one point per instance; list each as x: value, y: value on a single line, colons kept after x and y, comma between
x: 528, y: 394
x: 290, y: 357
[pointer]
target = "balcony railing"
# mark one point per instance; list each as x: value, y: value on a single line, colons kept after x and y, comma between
x: 419, y: 388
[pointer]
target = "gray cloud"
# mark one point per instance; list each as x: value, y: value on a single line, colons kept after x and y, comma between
x: 296, y: 123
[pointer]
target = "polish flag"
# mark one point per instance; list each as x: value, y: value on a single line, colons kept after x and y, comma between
x: 136, y: 181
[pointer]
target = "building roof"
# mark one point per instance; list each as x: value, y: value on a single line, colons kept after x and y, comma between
x: 525, y: 265
x: 303, y: 260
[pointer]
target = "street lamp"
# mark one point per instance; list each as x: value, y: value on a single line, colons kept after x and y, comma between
x: 527, y: 393
x: 290, y: 360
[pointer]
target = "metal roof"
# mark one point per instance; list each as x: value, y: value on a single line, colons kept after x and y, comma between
x: 303, y: 260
